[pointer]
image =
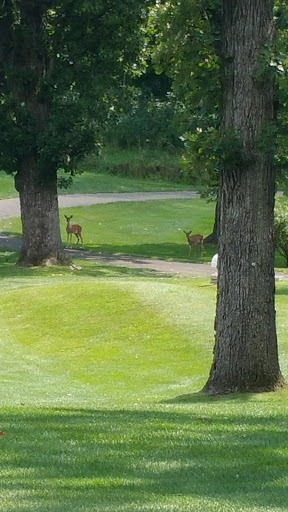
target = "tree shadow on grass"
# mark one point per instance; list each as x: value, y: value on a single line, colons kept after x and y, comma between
x: 97, y: 269
x: 10, y: 240
x: 77, y: 459
x: 206, y: 398
x: 164, y: 250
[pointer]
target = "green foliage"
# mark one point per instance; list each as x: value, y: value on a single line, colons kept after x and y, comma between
x: 150, y: 123
x: 117, y: 171
x: 209, y: 151
x: 188, y: 48
x: 56, y: 79
x: 281, y: 228
x: 147, y: 164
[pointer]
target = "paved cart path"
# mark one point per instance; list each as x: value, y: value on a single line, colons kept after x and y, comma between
x: 11, y: 208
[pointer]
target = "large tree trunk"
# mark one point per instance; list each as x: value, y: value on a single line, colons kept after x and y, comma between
x: 245, y: 352
x: 41, y: 238
x: 36, y: 180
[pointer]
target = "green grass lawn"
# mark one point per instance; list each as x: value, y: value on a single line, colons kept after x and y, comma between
x: 100, y: 405
x: 152, y: 229
x: 96, y: 175
x: 147, y: 228
x: 101, y: 370
x: 93, y: 183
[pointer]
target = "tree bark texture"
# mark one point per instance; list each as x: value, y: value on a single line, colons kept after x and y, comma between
x: 36, y: 184
x: 246, y: 352
x: 41, y: 238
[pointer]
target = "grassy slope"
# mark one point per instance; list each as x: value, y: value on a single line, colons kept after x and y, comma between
x: 96, y: 178
x: 100, y: 374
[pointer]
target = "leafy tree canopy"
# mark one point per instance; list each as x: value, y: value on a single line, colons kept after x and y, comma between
x: 188, y: 47
x: 60, y: 63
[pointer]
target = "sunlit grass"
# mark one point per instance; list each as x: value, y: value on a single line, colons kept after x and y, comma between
x: 101, y: 332
x: 94, y: 183
x: 147, y: 228
x: 96, y: 177
x: 101, y: 370
x: 100, y: 406
x: 152, y: 229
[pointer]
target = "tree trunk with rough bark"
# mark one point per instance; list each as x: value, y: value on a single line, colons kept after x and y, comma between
x: 41, y: 238
x: 245, y: 352
x: 35, y: 182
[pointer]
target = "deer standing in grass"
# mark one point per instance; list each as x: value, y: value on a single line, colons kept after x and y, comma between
x: 194, y: 240
x: 73, y: 229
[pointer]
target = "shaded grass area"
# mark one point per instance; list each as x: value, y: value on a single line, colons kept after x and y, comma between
x: 100, y: 405
x: 214, y: 455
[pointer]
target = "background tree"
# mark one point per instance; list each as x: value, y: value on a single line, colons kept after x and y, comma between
x: 245, y: 353
x: 60, y: 61
x: 188, y: 48
x: 150, y: 116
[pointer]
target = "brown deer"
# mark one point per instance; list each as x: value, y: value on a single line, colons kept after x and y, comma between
x: 73, y: 229
x: 194, y: 240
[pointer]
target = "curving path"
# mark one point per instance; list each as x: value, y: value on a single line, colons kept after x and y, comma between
x: 11, y: 208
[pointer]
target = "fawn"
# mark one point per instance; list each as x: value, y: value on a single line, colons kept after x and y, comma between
x: 194, y: 240
x: 73, y: 229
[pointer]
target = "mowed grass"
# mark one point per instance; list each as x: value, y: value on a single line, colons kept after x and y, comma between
x: 109, y: 329
x: 101, y: 370
x: 147, y: 228
x: 96, y: 182
x: 100, y: 406
x: 152, y: 229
